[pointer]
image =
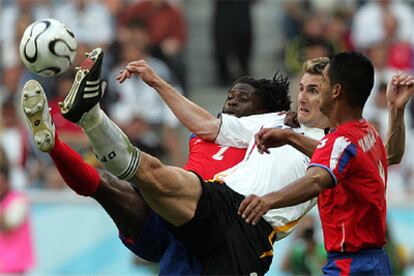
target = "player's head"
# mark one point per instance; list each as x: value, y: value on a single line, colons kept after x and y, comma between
x: 347, y: 80
x: 4, y: 173
x: 249, y: 96
x: 309, y: 113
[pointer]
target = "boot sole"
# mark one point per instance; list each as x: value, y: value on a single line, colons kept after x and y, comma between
x: 34, y: 102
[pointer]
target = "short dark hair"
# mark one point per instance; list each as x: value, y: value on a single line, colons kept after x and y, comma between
x: 355, y: 73
x: 274, y: 93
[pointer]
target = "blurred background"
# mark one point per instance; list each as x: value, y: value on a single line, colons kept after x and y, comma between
x: 201, y: 47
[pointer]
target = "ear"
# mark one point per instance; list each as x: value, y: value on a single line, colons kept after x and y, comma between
x: 337, y: 91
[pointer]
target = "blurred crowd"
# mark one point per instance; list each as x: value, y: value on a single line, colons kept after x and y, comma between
x: 157, y: 31
x: 383, y: 30
x: 126, y: 30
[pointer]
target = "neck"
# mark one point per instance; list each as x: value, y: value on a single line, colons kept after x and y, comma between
x: 343, y: 113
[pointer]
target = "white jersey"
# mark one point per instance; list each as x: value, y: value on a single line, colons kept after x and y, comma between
x: 261, y: 174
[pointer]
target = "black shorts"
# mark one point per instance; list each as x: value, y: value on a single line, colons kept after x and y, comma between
x: 220, y: 238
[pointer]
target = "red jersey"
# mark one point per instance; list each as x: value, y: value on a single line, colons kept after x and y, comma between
x: 207, y: 159
x: 353, y: 211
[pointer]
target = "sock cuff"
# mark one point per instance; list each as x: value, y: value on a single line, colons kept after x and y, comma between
x: 129, y: 172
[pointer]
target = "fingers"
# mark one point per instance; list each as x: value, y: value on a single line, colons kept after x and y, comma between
x: 244, y: 204
x: 258, y: 140
x: 403, y: 79
x: 136, y: 67
x: 255, y: 213
x: 124, y: 74
x: 261, y: 147
x: 409, y: 81
x: 291, y: 119
x: 251, y: 209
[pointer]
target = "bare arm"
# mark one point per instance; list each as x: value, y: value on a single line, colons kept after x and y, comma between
x: 274, y: 137
x: 191, y: 115
x: 399, y: 90
x: 302, y: 143
x: 312, y: 184
x: 395, y: 141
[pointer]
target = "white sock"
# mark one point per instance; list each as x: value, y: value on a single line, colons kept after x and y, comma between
x: 110, y: 144
x: 92, y: 118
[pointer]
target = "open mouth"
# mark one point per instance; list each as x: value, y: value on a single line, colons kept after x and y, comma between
x: 230, y: 112
x: 304, y: 110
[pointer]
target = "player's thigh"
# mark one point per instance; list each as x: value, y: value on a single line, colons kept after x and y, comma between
x: 170, y: 191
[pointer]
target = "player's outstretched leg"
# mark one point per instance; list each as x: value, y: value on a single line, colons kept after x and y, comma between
x: 81, y: 106
x: 166, y: 189
x: 125, y: 206
x: 80, y: 176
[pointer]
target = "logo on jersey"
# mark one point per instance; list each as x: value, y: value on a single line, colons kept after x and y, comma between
x: 322, y: 143
x: 368, y: 141
x: 219, y: 155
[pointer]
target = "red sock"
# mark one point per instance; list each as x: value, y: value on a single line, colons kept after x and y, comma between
x: 78, y: 175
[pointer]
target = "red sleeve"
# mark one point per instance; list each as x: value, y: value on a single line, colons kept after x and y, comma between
x: 336, y: 155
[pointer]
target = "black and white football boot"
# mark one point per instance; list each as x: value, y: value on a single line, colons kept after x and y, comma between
x: 87, y: 88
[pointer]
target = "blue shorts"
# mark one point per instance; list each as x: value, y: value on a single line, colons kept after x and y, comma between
x: 155, y: 243
x: 364, y: 262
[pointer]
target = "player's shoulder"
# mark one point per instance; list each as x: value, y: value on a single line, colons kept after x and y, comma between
x: 312, y: 132
x: 274, y: 117
x: 194, y: 139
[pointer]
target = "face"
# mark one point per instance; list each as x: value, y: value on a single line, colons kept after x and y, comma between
x: 309, y: 100
x: 242, y: 100
x: 326, y: 92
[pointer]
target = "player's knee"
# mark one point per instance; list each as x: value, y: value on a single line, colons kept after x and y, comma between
x: 106, y: 178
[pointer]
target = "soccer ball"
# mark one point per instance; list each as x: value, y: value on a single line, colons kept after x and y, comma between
x: 48, y: 47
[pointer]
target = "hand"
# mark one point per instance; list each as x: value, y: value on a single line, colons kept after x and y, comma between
x: 399, y: 90
x: 123, y: 75
x: 291, y: 119
x: 140, y: 68
x: 270, y: 138
x: 252, y: 208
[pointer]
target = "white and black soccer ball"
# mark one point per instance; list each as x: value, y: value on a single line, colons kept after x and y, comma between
x: 48, y: 47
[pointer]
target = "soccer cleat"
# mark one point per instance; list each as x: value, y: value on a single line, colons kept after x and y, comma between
x: 34, y: 103
x: 87, y: 88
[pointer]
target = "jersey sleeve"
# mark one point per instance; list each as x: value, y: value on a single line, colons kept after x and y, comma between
x: 237, y: 132
x: 335, y: 154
